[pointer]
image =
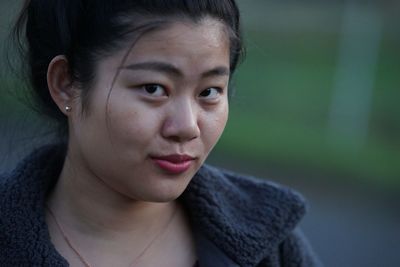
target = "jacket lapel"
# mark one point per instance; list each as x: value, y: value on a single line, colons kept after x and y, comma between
x: 244, y: 217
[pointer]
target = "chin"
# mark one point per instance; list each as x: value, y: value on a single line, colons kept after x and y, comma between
x: 163, y: 197
x: 158, y: 195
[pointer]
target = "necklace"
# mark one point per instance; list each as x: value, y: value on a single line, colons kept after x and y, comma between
x: 84, y: 261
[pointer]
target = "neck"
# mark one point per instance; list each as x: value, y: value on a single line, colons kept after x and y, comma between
x: 86, y: 204
x: 107, y: 227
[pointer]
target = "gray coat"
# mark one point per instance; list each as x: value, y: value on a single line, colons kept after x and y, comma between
x: 237, y: 220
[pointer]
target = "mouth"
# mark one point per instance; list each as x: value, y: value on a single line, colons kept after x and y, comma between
x: 174, y: 164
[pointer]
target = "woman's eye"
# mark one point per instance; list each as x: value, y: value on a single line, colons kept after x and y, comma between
x: 154, y: 90
x: 212, y: 92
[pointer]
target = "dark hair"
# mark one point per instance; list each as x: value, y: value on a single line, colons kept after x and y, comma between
x: 86, y: 30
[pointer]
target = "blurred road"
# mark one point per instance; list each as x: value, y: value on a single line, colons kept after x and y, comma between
x: 352, y: 231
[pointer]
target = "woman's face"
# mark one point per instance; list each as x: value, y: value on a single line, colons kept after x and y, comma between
x: 168, y: 106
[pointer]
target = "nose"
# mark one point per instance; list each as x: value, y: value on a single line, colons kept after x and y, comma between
x: 181, y: 123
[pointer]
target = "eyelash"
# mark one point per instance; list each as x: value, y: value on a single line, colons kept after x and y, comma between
x: 219, y: 90
x: 145, y: 88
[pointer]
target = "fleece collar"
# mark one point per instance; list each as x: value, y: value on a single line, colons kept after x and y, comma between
x: 246, y: 218
x: 22, y: 215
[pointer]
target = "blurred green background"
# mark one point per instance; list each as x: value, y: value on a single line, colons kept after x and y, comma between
x: 320, y: 88
x: 315, y: 107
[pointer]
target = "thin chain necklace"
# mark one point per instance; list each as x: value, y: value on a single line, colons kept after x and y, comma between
x: 85, y: 262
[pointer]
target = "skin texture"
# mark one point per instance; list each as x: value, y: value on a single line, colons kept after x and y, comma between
x: 169, y: 96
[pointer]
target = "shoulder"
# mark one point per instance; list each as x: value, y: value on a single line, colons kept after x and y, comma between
x: 255, y: 193
x: 296, y: 251
x: 247, y: 217
x: 32, y: 176
x: 24, y: 239
x: 293, y: 251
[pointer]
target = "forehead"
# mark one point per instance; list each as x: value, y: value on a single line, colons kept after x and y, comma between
x: 183, y: 43
x: 186, y: 32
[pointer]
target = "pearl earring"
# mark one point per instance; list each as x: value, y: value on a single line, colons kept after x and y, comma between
x: 68, y: 108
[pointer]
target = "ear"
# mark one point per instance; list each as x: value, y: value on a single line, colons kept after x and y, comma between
x: 59, y: 82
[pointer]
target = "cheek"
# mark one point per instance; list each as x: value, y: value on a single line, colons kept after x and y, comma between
x: 222, y: 120
x: 214, y: 124
x: 133, y: 123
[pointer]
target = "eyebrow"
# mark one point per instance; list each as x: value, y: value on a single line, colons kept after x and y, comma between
x: 174, y: 71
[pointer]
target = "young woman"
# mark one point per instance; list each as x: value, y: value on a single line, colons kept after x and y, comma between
x: 139, y: 90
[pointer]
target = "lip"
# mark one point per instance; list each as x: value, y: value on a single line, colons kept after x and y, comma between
x: 175, y: 163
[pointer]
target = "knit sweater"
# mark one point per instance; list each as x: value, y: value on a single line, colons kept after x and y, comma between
x: 237, y: 220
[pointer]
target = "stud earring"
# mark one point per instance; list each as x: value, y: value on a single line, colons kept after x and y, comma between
x: 68, y: 108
